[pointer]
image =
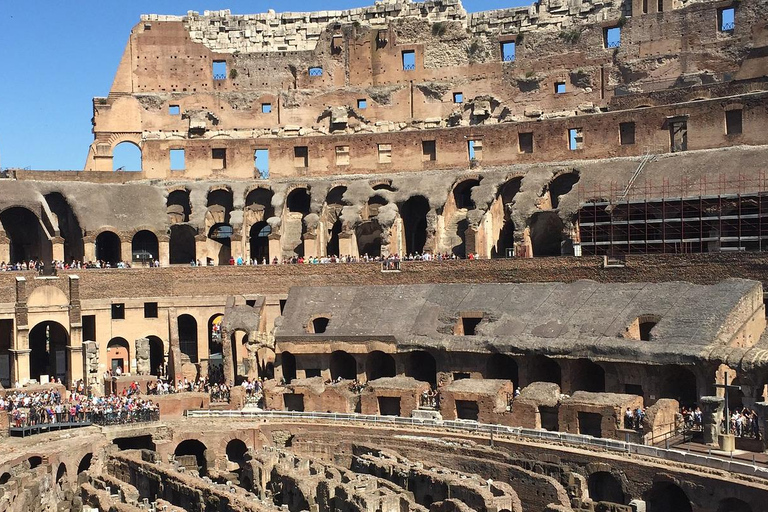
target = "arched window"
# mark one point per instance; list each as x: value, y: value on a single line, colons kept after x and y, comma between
x: 144, y: 247
x: 126, y: 156
x: 188, y: 336
x: 319, y: 324
x: 108, y: 247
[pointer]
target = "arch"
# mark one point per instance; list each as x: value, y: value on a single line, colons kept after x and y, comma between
x: 85, y: 463
x: 5, y: 478
x: 332, y: 247
x: 641, y: 328
x: 182, y: 246
x: 667, y: 497
x: 543, y: 369
x: 236, y: 451
x: 188, y: 336
x: 733, y: 505
x: 108, y: 247
x: 221, y: 196
x: 586, y: 376
x: 414, y: 214
x: 561, y: 185
x: 34, y: 461
x: 421, y: 366
x: 69, y: 226
x: 48, y: 343
x: 222, y: 235
x: 604, y: 486
x: 156, y: 356
x: 61, y: 473
x: 318, y: 325
x: 198, y: 450
x: 178, y: 202
x: 546, y: 234
x: 343, y: 366
x: 118, y: 354
x: 336, y: 196
x: 506, y: 237
x: 259, y: 241
x: 145, y: 247
x: 678, y: 382
x: 27, y: 239
x: 260, y: 198
x: 298, y: 200
x: 502, y: 366
x: 126, y: 156
x: 368, y: 235
x: 462, y: 193
x: 378, y: 365
x: 288, y: 366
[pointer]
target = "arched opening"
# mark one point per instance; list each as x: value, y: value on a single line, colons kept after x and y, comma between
x: 144, y: 442
x: 48, y: 343
x: 502, y: 366
x: 319, y: 324
x: 144, y: 247
x: 332, y: 247
x: 561, y: 186
x: 188, y: 336
x: 222, y: 235
x: 733, y: 505
x: 604, y: 486
x: 85, y: 463
x: 126, y: 156
x: 108, y: 247
x: 586, y: 376
x: 288, y: 365
x: 28, y: 241
x: 183, y: 249
x: 679, y: 383
x: 414, y: 214
x: 343, y: 366
x: 462, y: 194
x: 645, y: 329
x: 334, y: 204
x: 422, y: 366
x: 368, y: 235
x: 5, y: 478
x: 236, y: 451
x: 178, y: 205
x: 378, y: 365
x: 118, y: 355
x: 336, y: 196
x: 156, y: 356
x: 192, y: 455
x: 61, y: 472
x: 69, y: 226
x: 668, y: 497
x: 221, y: 197
x: 543, y: 369
x: 506, y: 239
x: 259, y: 239
x: 34, y: 461
x: 215, y: 346
x: 546, y: 234
x: 298, y: 201
x: 260, y: 199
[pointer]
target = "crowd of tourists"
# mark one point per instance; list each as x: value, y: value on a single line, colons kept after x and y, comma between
x: 42, y: 267
x: 317, y: 260
x: 743, y: 423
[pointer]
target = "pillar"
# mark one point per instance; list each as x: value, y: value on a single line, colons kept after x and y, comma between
x: 5, y: 248
x: 174, y: 347
x: 236, y: 245
x: 75, y: 364
x: 142, y: 356
x: 201, y: 248
x: 347, y: 243
x: 275, y: 249
x: 712, y: 413
x: 20, y: 365
x: 57, y: 244
x: 164, y: 247
x: 126, y: 250
x: 762, y: 417
x: 89, y: 249
x: 229, y: 363
x: 310, y: 245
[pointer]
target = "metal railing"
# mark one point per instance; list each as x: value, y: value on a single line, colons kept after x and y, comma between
x: 612, y: 445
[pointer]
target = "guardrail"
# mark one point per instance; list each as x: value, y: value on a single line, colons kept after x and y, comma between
x: 612, y: 445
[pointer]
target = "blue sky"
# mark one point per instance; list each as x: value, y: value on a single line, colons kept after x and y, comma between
x: 56, y: 55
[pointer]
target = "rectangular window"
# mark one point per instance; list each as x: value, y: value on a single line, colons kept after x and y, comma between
x: 469, y: 325
x: 219, y: 156
x: 627, y: 133
x: 559, y: 87
x: 89, y: 327
x: 726, y: 20
x: 475, y: 150
x: 575, y: 139
x: 219, y: 70
x: 409, y: 60
x: 150, y: 310
x: 315, y: 71
x: 458, y: 97
x: 342, y: 155
x: 733, y: 122
x: 261, y: 162
x: 118, y: 311
x: 678, y: 136
x: 645, y: 6
x: 362, y: 103
x: 385, y: 153
x: 301, y: 156
x: 660, y: 6
x: 612, y: 37
x: 174, y: 110
x: 428, y: 151
x: 508, y: 51
x: 525, y: 142
x: 178, y: 160
x: 266, y: 108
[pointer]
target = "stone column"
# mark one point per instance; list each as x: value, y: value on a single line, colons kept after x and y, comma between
x: 20, y: 365
x: 275, y: 249
x: 201, y: 248
x: 174, y: 347
x: 762, y: 414
x: 165, y: 252
x: 126, y: 250
x: 310, y: 245
x: 5, y: 248
x: 89, y: 249
x: 712, y: 413
x: 142, y: 357
x: 228, y: 359
x: 57, y: 243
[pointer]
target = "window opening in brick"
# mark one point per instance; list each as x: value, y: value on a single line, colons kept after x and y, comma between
x: 301, y: 156
x: 89, y: 327
x: 559, y: 87
x: 219, y: 70
x: 385, y: 153
x: 475, y: 151
x: 266, y: 108
x: 362, y: 103
x: 428, y: 151
x: 627, y: 133
x: 525, y: 141
x: 315, y: 71
x: 660, y: 5
x: 508, y: 51
x: 645, y: 6
x: 733, y: 122
x: 575, y: 139
x: 678, y: 136
x: 612, y: 37
x: 461, y: 376
x: 467, y: 410
x: 409, y: 60
x: 320, y: 324
x: 342, y: 155
x: 726, y: 20
x: 178, y: 160
x: 219, y: 156
x: 458, y: 97
x: 261, y: 162
x: 174, y: 110
x: 469, y: 325
x: 118, y: 311
x: 150, y: 310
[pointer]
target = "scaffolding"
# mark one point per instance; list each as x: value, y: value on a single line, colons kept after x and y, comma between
x: 668, y: 220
